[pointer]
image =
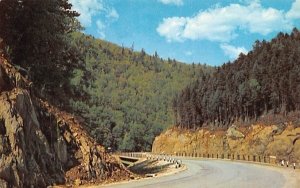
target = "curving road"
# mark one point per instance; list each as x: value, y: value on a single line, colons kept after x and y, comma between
x: 213, y: 173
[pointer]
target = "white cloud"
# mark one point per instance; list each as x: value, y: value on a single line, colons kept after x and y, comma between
x: 222, y: 23
x: 112, y: 13
x: 100, y: 28
x: 172, y: 28
x: 188, y: 53
x: 294, y: 12
x: 233, y: 52
x: 95, y: 10
x: 175, y: 2
x: 87, y: 9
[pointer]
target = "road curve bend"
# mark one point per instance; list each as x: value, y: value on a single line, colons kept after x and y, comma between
x: 213, y: 174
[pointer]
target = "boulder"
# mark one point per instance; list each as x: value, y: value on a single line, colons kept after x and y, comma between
x: 233, y: 133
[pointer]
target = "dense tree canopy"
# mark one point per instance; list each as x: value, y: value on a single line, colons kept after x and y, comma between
x: 126, y: 96
x: 266, y: 80
x: 36, y: 36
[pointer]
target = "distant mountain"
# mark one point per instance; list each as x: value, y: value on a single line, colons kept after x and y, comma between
x: 126, y: 96
x: 265, y: 81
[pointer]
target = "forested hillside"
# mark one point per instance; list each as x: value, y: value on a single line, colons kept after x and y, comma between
x: 126, y: 96
x: 265, y: 81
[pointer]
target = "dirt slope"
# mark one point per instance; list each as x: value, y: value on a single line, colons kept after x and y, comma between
x: 256, y: 140
x: 41, y: 145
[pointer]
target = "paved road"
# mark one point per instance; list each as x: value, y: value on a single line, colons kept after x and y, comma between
x: 214, y: 173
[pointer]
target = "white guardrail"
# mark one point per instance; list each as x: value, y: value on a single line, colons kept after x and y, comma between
x: 150, y: 156
x: 173, y: 158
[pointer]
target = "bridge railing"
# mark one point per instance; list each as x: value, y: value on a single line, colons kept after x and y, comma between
x: 267, y: 159
x: 151, y: 156
x: 132, y: 154
x: 226, y: 156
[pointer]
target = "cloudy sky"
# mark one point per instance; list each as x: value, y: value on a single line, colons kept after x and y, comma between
x: 200, y: 31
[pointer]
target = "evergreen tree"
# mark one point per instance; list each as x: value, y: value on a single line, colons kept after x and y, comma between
x: 266, y: 80
x: 36, y: 33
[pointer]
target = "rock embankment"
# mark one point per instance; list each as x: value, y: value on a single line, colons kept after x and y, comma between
x: 41, y: 145
x: 255, y: 140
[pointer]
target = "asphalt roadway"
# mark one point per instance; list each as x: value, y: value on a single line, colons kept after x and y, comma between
x: 213, y: 173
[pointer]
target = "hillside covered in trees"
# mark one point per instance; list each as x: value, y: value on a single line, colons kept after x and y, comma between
x: 265, y: 81
x: 124, y: 96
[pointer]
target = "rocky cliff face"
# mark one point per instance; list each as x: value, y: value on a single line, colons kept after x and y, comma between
x: 41, y: 145
x: 255, y: 140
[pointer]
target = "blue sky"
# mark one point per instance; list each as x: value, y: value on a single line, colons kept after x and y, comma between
x: 200, y: 31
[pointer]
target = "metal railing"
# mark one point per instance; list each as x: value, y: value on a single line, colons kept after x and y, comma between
x: 151, y: 156
x: 223, y: 156
x: 229, y: 156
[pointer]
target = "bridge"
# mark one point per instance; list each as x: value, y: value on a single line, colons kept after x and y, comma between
x: 126, y: 160
x: 130, y: 158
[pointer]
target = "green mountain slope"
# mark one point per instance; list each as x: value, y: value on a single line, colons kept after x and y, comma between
x: 265, y: 81
x: 125, y: 96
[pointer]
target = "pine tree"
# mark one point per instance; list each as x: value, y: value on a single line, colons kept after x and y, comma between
x: 36, y: 33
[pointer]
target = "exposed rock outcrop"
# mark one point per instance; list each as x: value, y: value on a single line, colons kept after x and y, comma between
x: 254, y: 140
x: 41, y: 145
